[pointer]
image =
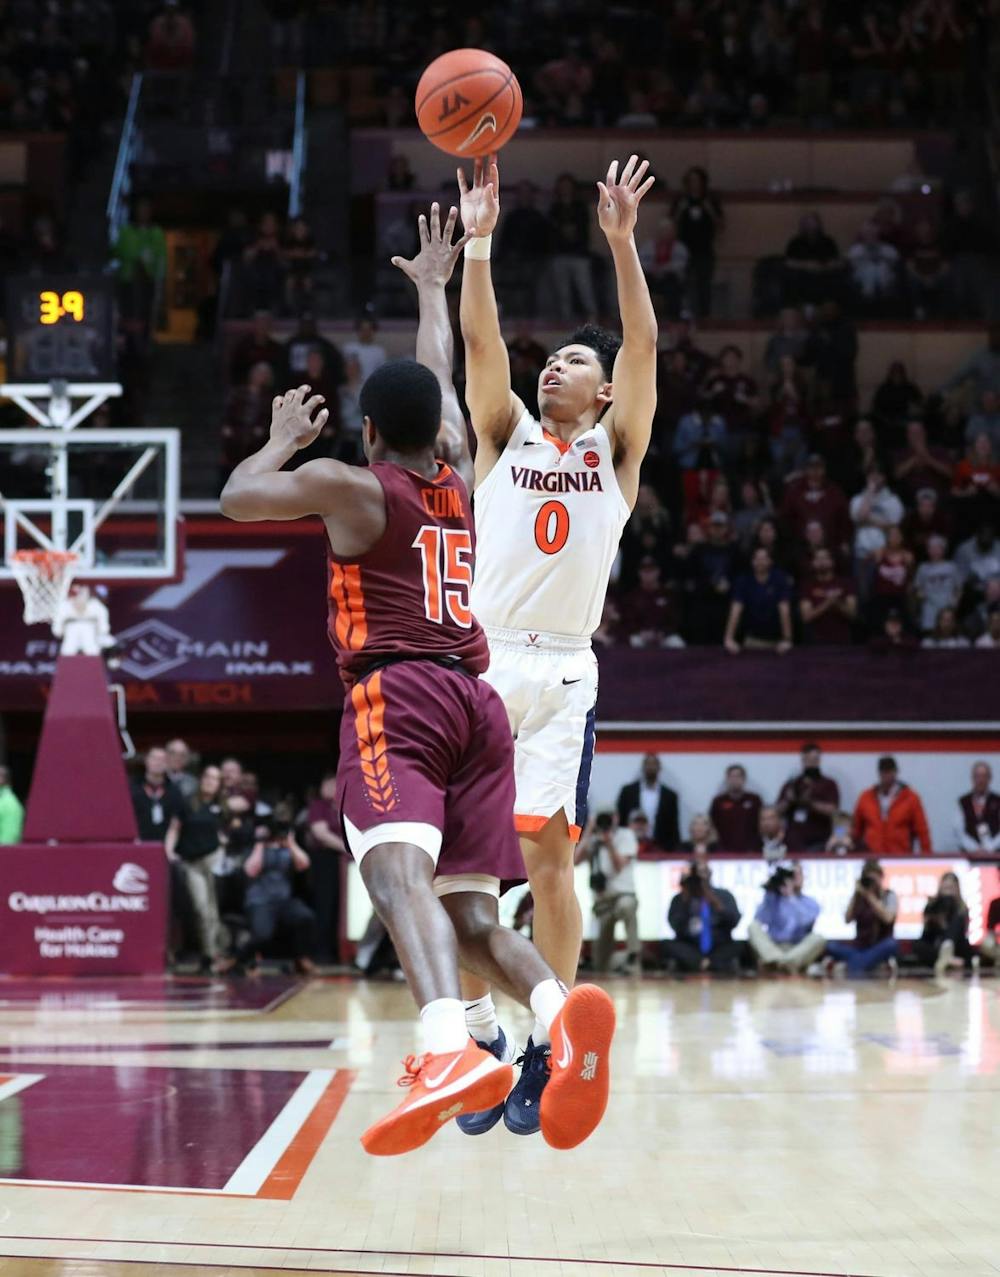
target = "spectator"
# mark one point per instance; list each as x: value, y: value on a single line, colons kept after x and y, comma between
x: 301, y: 257
x: 978, y: 559
x: 840, y: 842
x: 773, y: 831
x: 194, y: 840
x: 611, y: 852
x: 920, y: 466
x: 179, y: 768
x: 937, y: 584
x: 171, y: 42
x: 563, y: 77
x: 731, y: 393
x: 327, y: 852
x: 809, y: 802
x: 697, y: 212
x: 647, y: 848
x: 977, y: 822
x: 873, y: 911
x: 656, y: 801
x: 926, y: 521
x: 570, y: 266
x: 893, y: 636
x: 976, y: 488
x: 256, y: 347
x: 893, y: 573
x: 874, y: 511
x: 970, y: 239
x: 237, y: 782
x: 897, y: 398
x: 816, y: 497
x: 985, y: 421
x: 813, y: 265
x: 990, y: 639
x: 874, y: 267
x: 927, y: 271
x: 304, y: 340
x: 761, y: 611
x: 946, y: 633
x: 646, y: 535
x: 781, y: 934
x: 790, y: 340
x: 158, y: 805
x: 944, y: 942
x: 700, y: 441
x: 524, y: 231
x: 264, y: 260
x: 140, y: 253
x: 735, y: 813
x: 703, y: 918
x: 364, y: 348
x: 829, y: 603
x: 755, y: 506
x: 649, y: 612
x: 11, y: 811
x: 665, y: 260
x: 981, y: 371
x: 702, y: 839
x: 400, y: 176
x: 835, y: 352
x: 247, y: 417
x: 270, y: 904
x: 889, y: 818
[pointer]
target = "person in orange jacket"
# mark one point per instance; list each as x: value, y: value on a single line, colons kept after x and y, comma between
x: 889, y: 817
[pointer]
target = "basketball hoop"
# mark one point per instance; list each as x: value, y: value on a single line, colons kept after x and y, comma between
x: 45, y: 577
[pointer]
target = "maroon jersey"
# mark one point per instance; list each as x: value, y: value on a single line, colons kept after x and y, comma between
x: 408, y: 597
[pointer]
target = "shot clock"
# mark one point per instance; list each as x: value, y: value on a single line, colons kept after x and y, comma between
x: 60, y: 328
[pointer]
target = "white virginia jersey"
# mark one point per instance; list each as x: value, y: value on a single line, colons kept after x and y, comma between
x: 549, y: 517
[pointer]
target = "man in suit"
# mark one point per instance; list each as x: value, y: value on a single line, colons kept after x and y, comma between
x: 657, y: 803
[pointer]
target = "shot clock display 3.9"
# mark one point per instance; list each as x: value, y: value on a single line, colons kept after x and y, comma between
x: 60, y: 329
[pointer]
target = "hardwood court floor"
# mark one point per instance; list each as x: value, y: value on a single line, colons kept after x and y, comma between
x: 178, y: 1128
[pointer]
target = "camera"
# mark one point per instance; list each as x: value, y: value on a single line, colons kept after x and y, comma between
x: 694, y: 883
x: 777, y: 880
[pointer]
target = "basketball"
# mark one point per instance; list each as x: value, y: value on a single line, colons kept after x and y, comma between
x: 468, y: 102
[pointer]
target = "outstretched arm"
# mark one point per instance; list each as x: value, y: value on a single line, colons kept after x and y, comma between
x: 493, y: 406
x: 630, y: 418
x: 430, y: 270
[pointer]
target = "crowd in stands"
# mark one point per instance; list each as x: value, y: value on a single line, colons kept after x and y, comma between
x: 751, y: 64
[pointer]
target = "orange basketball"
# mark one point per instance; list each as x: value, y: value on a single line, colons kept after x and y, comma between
x: 468, y: 102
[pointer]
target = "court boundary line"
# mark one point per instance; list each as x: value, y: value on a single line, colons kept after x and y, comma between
x: 419, y: 1254
x: 191, y: 1263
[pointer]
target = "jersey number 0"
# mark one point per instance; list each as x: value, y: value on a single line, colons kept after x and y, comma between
x: 446, y: 558
x: 552, y: 527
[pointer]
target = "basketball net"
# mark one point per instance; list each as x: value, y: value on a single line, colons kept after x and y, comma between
x: 45, y: 577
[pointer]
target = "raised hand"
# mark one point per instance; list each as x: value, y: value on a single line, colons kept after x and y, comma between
x: 436, y: 260
x: 481, y: 203
x: 618, y: 201
x: 293, y: 420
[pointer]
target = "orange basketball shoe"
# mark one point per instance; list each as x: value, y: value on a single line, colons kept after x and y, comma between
x: 576, y: 1095
x: 441, y: 1087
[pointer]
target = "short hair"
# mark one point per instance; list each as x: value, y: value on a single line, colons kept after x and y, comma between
x: 887, y: 764
x: 402, y: 399
x: 809, y: 746
x: 730, y: 349
x: 604, y: 343
x: 736, y: 767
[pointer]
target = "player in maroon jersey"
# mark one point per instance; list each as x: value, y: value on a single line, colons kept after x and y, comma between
x: 426, y: 772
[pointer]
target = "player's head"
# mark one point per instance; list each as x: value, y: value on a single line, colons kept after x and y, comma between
x: 576, y: 379
x: 401, y: 405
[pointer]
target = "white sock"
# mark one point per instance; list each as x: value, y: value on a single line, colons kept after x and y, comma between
x: 443, y: 1022
x: 481, y: 1019
x: 546, y: 1001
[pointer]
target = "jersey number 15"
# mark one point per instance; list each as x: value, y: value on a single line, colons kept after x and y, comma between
x: 446, y: 558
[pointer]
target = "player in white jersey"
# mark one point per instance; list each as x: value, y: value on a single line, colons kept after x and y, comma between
x: 551, y: 500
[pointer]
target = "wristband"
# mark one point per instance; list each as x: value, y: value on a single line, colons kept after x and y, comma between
x: 478, y: 249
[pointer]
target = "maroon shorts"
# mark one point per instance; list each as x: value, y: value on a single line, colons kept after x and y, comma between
x: 422, y: 749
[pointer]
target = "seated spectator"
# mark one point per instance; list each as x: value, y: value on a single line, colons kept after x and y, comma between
x: 768, y: 537
x: 977, y: 823
x: 873, y: 911
x: 945, y: 633
x: 781, y: 934
x: 840, y: 842
x: 171, y: 42
x: 920, y: 466
x: 264, y: 261
x: 703, y: 918
x: 928, y: 520
x: 649, y: 612
x: 773, y: 833
x: 978, y: 559
x: 829, y: 603
x: 270, y: 904
x: 815, y: 496
x: 195, y: 840
x: 944, y: 942
x: 926, y: 272
x: 813, y: 264
x: 789, y: 420
x: 790, y: 339
x: 874, y: 511
x: 665, y: 261
x: 700, y: 441
x: 894, y: 635
x: 256, y: 347
x: 755, y: 505
x: 976, y: 486
x: 731, y: 393
x: 247, y: 417
x: 569, y: 264
x: 11, y: 811
x: 889, y: 818
x: 648, y: 850
x: 809, y: 801
x: 937, y: 584
x: 760, y: 615
x: 655, y: 800
x: 702, y: 839
x: 611, y: 850
x: 874, y: 267
x: 561, y: 77
x: 896, y: 399
x: 985, y: 421
x: 646, y: 535
x: 301, y: 257
x: 697, y: 211
x: 990, y: 638
x: 178, y: 768
x: 735, y: 813
x: 893, y: 572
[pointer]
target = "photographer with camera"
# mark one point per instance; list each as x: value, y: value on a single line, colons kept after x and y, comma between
x: 270, y: 904
x: 703, y: 918
x: 873, y: 911
x: 944, y: 943
x: 781, y: 933
x: 611, y: 852
x: 809, y: 803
